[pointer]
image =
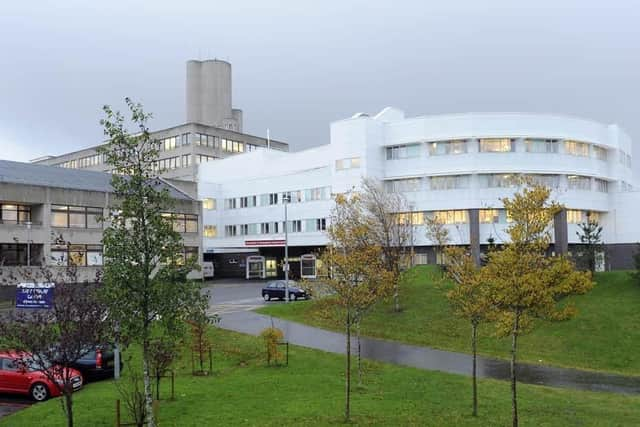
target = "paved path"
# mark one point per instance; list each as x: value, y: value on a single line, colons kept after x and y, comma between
x: 235, y: 302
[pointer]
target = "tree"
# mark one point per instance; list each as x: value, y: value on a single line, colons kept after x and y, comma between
x: 355, y: 271
x: 51, y: 340
x: 469, y: 300
x: 525, y: 284
x: 145, y: 273
x: 438, y: 233
x: 589, y: 234
x: 382, y: 212
x: 163, y: 352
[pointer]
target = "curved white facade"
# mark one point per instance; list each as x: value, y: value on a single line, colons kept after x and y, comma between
x: 445, y: 165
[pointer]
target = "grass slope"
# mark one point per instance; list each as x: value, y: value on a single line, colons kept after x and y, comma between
x: 603, y: 336
x: 310, y: 391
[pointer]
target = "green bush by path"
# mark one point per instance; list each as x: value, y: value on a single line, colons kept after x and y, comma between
x: 605, y: 335
x: 243, y: 391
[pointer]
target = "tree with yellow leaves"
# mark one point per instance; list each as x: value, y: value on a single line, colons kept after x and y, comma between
x: 354, y: 271
x: 469, y: 300
x: 524, y: 283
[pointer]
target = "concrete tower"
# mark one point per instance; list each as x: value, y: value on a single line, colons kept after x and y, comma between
x: 208, y: 95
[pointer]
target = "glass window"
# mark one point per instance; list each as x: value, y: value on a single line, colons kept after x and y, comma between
x: 449, y: 182
x: 489, y: 216
x: 210, y: 231
x: 15, y: 214
x: 496, y: 145
x: 602, y: 186
x: 94, y: 255
x: 551, y: 181
x: 59, y: 216
x: 451, y: 217
x: 404, y: 185
x: 574, y: 216
x: 93, y: 217
x: 209, y: 204
x: 577, y: 182
x: 599, y: 153
x: 438, y: 148
x: 542, y: 145
x: 497, y: 180
x: 576, y: 148
x: 191, y: 223
x: 403, y: 151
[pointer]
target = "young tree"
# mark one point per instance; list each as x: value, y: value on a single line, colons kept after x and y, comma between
x: 438, y: 233
x: 524, y: 283
x: 356, y: 272
x: 51, y: 340
x: 590, y: 235
x: 163, y: 352
x: 145, y: 274
x: 469, y: 300
x: 381, y: 210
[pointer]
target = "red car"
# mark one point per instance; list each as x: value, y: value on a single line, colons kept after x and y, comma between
x: 23, y: 378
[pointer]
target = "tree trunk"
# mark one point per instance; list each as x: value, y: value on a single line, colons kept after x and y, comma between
x: 68, y: 401
x: 148, y: 395
x: 347, y: 407
x: 474, y: 375
x: 396, y: 289
x: 514, y: 344
x: 359, y: 353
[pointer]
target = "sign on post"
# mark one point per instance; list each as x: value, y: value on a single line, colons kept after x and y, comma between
x: 35, y: 295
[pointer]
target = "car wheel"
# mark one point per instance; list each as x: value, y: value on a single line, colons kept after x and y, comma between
x: 39, y: 392
x: 266, y: 297
x: 292, y: 297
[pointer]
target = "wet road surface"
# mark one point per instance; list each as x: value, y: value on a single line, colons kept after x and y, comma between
x: 10, y: 404
x: 235, y: 302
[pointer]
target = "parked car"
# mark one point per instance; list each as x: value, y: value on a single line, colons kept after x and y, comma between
x: 19, y: 374
x: 276, y: 289
x: 97, y: 364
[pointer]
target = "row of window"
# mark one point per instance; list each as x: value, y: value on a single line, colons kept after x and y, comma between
x: 486, y: 216
x: 270, y: 199
x: 496, y: 145
x: 91, y: 255
x: 63, y: 216
x: 15, y: 214
x: 293, y: 226
x: 453, y: 182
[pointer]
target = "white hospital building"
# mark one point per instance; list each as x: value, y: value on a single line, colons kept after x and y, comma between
x: 456, y: 166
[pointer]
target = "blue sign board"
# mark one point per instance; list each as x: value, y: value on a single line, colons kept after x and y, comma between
x: 34, y: 295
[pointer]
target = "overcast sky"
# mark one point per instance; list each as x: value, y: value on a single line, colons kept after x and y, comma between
x: 298, y: 65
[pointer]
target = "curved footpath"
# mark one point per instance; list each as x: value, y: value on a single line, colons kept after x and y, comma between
x: 252, y: 323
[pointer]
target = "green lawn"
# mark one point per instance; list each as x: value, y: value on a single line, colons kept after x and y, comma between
x: 244, y: 391
x: 605, y: 335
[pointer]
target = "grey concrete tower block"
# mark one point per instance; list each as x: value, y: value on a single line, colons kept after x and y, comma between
x: 208, y: 92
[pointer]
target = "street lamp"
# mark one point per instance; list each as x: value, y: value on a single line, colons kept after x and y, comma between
x: 286, y: 199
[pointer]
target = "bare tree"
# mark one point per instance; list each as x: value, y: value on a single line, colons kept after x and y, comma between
x: 391, y: 232
x: 438, y: 233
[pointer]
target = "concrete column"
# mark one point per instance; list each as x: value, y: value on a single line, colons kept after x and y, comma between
x: 474, y: 234
x: 561, y: 234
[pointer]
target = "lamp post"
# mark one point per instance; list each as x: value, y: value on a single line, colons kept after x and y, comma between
x: 286, y: 198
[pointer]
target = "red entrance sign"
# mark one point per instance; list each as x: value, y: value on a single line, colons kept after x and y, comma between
x: 264, y: 242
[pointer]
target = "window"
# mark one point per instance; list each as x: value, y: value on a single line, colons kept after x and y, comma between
x: 350, y: 163
x: 438, y: 148
x: 489, y: 216
x: 294, y: 226
x: 292, y: 196
x: 308, y: 266
x: 15, y: 214
x: 410, y: 218
x: 76, y: 255
x: 210, y: 231
x: 403, y: 185
x: 244, y: 201
x: 496, y: 145
x: 602, y: 185
x: 551, y: 181
x: 593, y: 216
x: 449, y: 182
x: 244, y: 229
x: 599, y: 153
x: 321, y: 224
x: 403, y: 151
x: 186, y: 160
x: 230, y: 203
x: 576, y: 148
x: 497, y: 180
x: 75, y: 217
x: 265, y: 228
x: 313, y: 194
x: 313, y: 225
x: 574, y: 216
x: 183, y: 223
x: 542, y: 145
x: 230, y: 230
x: 451, y: 217
x: 577, y: 182
x: 273, y: 198
x: 209, y: 204
x: 13, y: 254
